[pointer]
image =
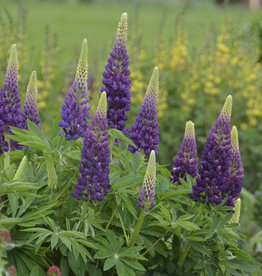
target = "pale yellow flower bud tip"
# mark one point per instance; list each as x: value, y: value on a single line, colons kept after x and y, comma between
x: 124, y: 16
x: 153, y: 84
x: 190, y: 129
x: 13, y: 60
x: 102, y: 104
x: 234, y: 138
x: 33, y: 76
x: 32, y: 84
x: 227, y: 108
x: 151, y: 166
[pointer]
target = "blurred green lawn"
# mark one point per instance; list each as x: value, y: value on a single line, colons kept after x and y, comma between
x: 97, y: 22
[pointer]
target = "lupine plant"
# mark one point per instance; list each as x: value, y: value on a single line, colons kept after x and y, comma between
x: 30, y: 105
x: 75, y: 110
x: 78, y: 203
x: 186, y: 161
x: 116, y: 79
x: 145, y: 132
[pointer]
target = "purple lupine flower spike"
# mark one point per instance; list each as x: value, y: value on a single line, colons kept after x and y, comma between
x: 75, y: 110
x: 95, y: 158
x: 146, y: 196
x: 212, y: 184
x: 236, y: 170
x: 30, y: 105
x: 116, y: 80
x: 186, y: 161
x: 145, y: 132
x: 10, y: 105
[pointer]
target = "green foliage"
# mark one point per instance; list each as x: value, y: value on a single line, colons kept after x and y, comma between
x: 49, y: 227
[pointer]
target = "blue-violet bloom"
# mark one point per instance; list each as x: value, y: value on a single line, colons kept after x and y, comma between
x: 75, y: 110
x: 95, y: 158
x: 10, y: 105
x: 186, y: 161
x: 145, y: 132
x: 116, y: 80
x: 213, y: 181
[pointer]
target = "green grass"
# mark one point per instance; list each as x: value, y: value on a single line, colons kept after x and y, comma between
x: 97, y: 22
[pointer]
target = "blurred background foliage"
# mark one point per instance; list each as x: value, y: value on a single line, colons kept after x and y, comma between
x: 205, y: 50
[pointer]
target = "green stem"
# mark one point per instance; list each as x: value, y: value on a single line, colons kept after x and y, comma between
x: 7, y: 156
x: 6, y: 161
x: 138, y: 227
x: 124, y: 230
x: 83, y: 214
x: 157, y: 241
x: 182, y: 257
x: 113, y: 214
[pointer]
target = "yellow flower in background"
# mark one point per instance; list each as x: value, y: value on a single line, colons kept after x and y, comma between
x: 179, y: 52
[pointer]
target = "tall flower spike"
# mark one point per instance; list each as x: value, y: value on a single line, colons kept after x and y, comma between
x: 116, y: 80
x: 95, y: 158
x: 75, y: 110
x: 145, y: 132
x: 236, y: 170
x: 30, y: 105
x: 213, y: 182
x: 186, y: 161
x: 10, y: 105
x: 147, y: 192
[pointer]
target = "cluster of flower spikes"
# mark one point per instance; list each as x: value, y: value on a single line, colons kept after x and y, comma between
x: 186, y: 161
x: 116, y: 80
x: 95, y: 158
x: 75, y: 110
x: 30, y: 105
x: 10, y: 105
x: 145, y: 132
x: 146, y: 196
x: 213, y: 181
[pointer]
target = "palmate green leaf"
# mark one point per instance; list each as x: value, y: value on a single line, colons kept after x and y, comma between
x: 127, y: 181
x: 17, y: 187
x: 129, y: 206
x: 103, y: 254
x: 202, y: 249
x: 13, y: 201
x: 243, y: 265
x: 54, y: 241
x: 135, y: 163
x: 115, y: 242
x: 8, y: 223
x: 109, y: 263
x: 34, y: 268
x: 134, y: 264
x: 229, y: 233
x: 120, y: 268
x: 132, y: 252
x: 117, y: 134
x: 124, y: 161
x: 74, y: 154
x: 66, y: 241
x: 35, y: 129
x: 78, y: 266
x: 190, y: 226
